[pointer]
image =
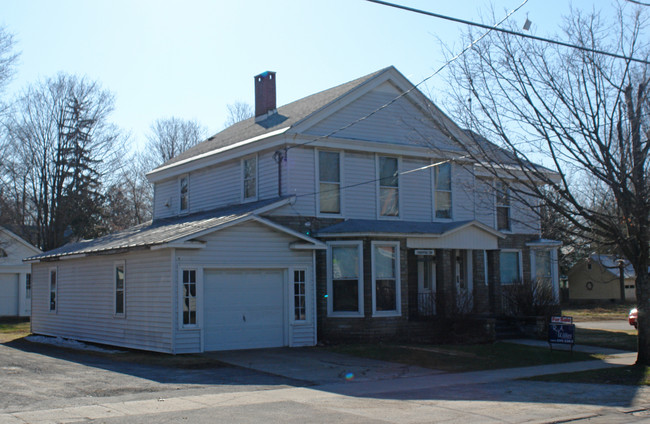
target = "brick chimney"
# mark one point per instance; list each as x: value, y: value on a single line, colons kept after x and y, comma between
x: 264, y: 95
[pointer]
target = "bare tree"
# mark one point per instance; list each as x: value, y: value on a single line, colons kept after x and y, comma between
x: 584, y: 116
x: 8, y: 58
x: 61, y: 147
x: 171, y: 137
x: 129, y: 198
x: 238, y: 111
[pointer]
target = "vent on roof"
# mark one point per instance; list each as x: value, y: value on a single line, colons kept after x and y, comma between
x: 264, y: 95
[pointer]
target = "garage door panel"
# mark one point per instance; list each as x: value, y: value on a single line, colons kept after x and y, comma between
x: 243, y: 309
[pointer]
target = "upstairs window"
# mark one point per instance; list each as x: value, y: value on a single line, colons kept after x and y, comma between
x: 442, y: 194
x: 53, y: 289
x: 329, y: 182
x: 503, y: 206
x: 183, y: 190
x: 249, y: 166
x: 120, y: 289
x: 388, y: 186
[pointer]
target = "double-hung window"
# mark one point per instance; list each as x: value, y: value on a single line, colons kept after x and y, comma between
x: 189, y: 297
x: 503, y: 206
x: 299, y: 295
x: 385, y: 278
x: 28, y: 286
x: 345, y: 282
x: 329, y: 182
x: 388, y: 170
x: 184, y: 193
x: 249, y: 167
x: 53, y: 289
x: 120, y: 289
x: 510, y: 266
x: 442, y: 193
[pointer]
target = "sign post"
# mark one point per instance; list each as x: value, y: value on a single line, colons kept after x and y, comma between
x: 561, y: 330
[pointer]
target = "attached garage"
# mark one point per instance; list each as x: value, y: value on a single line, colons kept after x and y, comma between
x: 244, y: 309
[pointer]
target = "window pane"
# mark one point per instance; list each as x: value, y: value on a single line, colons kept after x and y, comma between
x: 119, y: 278
x: 345, y: 296
x: 443, y: 204
x: 542, y: 264
x: 345, y: 262
x: 502, y: 193
x: 249, y: 189
x: 328, y: 167
x: 509, y: 267
x: 183, y: 200
x: 388, y: 172
x: 386, y: 299
x: 330, y: 200
x: 388, y: 201
x: 119, y: 302
x: 503, y: 218
x: 443, y: 177
x: 249, y: 169
x: 384, y: 262
x: 28, y: 286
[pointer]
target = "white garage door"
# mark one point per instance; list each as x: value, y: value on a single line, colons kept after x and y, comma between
x: 8, y: 294
x: 243, y: 309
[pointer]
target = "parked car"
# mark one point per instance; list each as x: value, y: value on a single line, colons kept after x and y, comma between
x: 631, y: 318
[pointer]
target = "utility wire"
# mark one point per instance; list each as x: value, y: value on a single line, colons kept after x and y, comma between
x: 507, y: 31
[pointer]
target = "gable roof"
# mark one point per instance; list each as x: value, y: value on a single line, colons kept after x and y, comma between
x: 287, y: 116
x: 161, y: 232
x: 19, y: 239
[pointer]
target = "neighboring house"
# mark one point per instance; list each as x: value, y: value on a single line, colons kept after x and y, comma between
x: 328, y: 218
x: 597, y: 278
x: 15, y: 276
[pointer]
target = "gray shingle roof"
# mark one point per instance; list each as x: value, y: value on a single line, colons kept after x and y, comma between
x: 160, y: 231
x: 287, y: 116
x: 390, y: 227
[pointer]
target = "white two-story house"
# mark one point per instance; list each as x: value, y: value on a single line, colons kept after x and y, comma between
x: 352, y: 213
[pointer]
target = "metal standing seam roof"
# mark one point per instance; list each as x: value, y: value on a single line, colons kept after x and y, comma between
x: 286, y: 116
x: 352, y: 226
x: 161, y: 231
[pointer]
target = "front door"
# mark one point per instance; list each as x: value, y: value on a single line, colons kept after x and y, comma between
x: 426, y: 285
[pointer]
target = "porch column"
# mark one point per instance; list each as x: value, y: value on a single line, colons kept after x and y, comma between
x: 494, y: 281
x: 445, y: 285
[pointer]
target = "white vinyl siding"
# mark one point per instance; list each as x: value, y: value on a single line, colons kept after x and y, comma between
x: 267, y: 171
x: 165, y: 199
x: 415, y: 190
x: 251, y: 246
x: 86, y: 289
x: 359, y: 196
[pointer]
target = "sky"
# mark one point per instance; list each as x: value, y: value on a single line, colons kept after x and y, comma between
x: 190, y: 59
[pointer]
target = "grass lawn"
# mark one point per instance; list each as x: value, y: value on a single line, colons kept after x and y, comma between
x: 13, y: 331
x: 630, y: 376
x: 623, y: 340
x: 597, y: 312
x: 462, y: 358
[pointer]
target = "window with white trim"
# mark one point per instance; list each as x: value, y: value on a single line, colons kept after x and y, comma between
x: 442, y: 195
x: 543, y: 268
x: 510, y: 266
x: 503, y: 206
x: 53, y: 289
x: 345, y: 278
x: 299, y: 295
x: 388, y: 176
x: 28, y: 286
x: 189, y: 297
x: 120, y: 289
x: 329, y: 182
x: 385, y: 278
x: 249, y: 169
x: 184, y: 193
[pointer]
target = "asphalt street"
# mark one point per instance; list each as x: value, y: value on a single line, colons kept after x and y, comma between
x: 43, y: 384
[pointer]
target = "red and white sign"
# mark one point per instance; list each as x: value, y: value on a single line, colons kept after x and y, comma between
x: 562, y: 320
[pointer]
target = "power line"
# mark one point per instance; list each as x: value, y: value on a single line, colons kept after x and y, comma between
x: 638, y: 2
x: 507, y: 31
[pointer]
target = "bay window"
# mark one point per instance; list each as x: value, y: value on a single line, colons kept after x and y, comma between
x: 345, y: 282
x: 385, y: 278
